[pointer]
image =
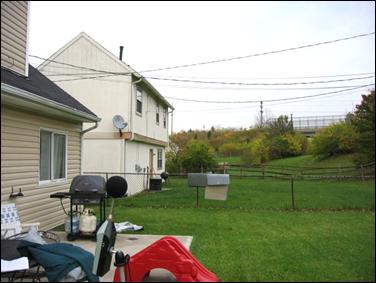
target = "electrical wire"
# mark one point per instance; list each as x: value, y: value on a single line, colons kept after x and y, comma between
x: 81, y: 67
x: 223, y: 83
x: 265, y: 84
x: 271, y: 78
x: 266, y: 105
x: 256, y: 88
x: 85, y: 78
x: 212, y: 61
x: 258, y: 54
x: 268, y: 100
x: 226, y: 78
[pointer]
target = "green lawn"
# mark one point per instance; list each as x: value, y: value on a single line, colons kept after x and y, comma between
x: 230, y: 160
x: 305, y: 165
x: 256, y: 236
x: 256, y: 193
x: 301, y: 161
x: 308, y: 160
x: 270, y: 245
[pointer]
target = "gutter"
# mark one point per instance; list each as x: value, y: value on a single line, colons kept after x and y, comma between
x: 89, y: 129
x: 26, y: 95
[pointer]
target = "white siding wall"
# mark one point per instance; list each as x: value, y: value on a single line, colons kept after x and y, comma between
x: 14, y: 35
x: 102, y: 155
x: 138, y: 153
x: 105, y: 96
x: 146, y: 124
x: 20, y: 148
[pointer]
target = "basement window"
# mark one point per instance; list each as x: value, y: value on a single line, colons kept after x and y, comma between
x: 53, y: 155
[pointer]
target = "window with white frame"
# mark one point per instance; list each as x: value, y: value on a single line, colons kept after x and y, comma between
x: 160, y: 160
x: 164, y: 118
x: 139, y: 101
x: 157, y: 114
x: 53, y: 156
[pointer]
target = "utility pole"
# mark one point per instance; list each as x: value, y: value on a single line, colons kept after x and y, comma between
x: 292, y: 124
x: 261, y: 122
x: 172, y: 121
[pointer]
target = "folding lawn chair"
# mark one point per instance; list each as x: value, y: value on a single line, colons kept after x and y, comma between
x: 10, y: 221
x: 12, y: 231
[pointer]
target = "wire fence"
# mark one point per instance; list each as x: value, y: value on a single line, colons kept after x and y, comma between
x: 361, y: 172
x: 266, y: 187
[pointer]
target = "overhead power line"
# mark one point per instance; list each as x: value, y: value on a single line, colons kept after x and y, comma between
x: 259, y: 88
x: 259, y: 54
x: 212, y: 61
x: 219, y: 82
x: 269, y: 88
x: 269, y: 100
x: 239, y: 108
x: 53, y: 74
x: 85, y: 78
x: 266, y: 84
x: 77, y: 66
x: 270, y: 78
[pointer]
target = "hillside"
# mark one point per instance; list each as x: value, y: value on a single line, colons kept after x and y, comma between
x: 301, y: 161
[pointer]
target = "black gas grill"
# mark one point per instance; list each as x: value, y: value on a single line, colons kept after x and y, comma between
x: 85, y: 189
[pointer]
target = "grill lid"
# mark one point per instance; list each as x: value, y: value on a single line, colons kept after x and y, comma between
x: 88, y: 184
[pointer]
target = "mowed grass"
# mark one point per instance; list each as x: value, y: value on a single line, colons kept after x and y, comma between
x: 256, y: 193
x: 303, y: 166
x: 255, y: 235
x: 267, y: 246
x: 343, y: 160
x: 309, y: 161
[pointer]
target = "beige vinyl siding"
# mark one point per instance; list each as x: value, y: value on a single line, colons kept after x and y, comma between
x: 20, y: 148
x: 14, y: 35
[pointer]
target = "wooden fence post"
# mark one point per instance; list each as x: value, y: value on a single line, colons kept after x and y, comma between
x: 263, y: 172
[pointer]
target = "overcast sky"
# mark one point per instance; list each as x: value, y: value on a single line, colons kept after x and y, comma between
x: 164, y: 34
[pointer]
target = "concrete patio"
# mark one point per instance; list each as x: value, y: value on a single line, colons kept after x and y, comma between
x: 130, y: 244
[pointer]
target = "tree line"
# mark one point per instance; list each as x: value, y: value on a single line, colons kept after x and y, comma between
x: 196, y: 150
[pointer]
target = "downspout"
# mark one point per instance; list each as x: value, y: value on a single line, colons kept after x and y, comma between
x: 89, y: 129
x: 82, y: 138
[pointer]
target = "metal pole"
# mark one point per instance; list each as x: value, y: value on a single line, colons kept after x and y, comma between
x: 197, y: 197
x: 261, y: 120
x: 263, y: 172
x: 292, y: 193
x: 172, y: 122
x: 292, y: 125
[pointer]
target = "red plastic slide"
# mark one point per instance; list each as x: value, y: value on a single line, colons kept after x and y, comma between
x: 167, y: 253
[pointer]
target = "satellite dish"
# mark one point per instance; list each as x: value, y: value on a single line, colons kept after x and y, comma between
x: 119, y: 123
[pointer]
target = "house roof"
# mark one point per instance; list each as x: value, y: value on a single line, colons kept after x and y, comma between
x: 125, y: 66
x: 39, y: 85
